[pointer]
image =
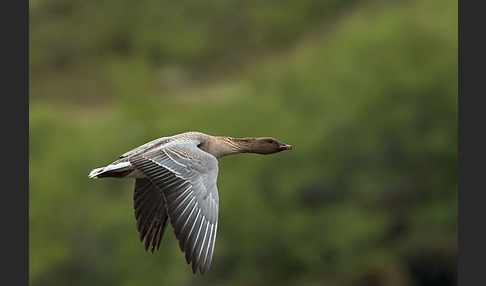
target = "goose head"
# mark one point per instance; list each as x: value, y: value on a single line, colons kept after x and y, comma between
x: 267, y: 145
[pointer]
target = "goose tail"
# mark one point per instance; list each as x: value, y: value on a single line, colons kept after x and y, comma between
x: 114, y: 170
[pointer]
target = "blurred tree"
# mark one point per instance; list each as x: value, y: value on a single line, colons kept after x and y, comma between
x: 366, y: 92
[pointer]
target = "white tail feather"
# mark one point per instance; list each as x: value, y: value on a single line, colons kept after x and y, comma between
x: 118, y: 167
x: 95, y: 172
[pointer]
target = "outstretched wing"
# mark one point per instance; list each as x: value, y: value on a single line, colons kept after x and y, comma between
x: 187, y: 176
x: 150, y: 213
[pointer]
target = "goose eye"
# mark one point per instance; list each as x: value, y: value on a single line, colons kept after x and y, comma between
x: 270, y: 141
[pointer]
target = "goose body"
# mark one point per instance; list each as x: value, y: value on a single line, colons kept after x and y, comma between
x: 175, y: 180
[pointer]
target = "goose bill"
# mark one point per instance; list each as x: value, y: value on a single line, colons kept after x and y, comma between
x: 283, y: 146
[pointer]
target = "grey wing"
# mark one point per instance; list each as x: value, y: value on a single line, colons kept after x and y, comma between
x: 150, y: 213
x: 145, y: 147
x: 187, y: 176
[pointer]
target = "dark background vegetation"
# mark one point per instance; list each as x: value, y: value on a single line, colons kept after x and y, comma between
x: 365, y: 91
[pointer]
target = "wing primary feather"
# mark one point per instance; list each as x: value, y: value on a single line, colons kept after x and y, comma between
x: 143, y: 217
x: 211, y: 247
x: 206, y: 260
x: 182, y: 217
x: 175, y: 204
x: 174, y: 207
x: 160, y: 234
x: 197, y: 244
x: 188, y: 245
x: 174, y: 193
x: 149, y: 238
x: 181, y: 231
x: 150, y: 213
x: 146, y: 213
x: 204, y: 245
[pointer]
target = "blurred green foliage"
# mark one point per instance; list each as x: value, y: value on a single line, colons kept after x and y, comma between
x: 365, y: 91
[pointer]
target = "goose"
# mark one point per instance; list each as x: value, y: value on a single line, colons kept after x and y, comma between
x: 175, y: 180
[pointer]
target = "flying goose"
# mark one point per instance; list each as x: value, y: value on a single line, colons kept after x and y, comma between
x: 175, y: 180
